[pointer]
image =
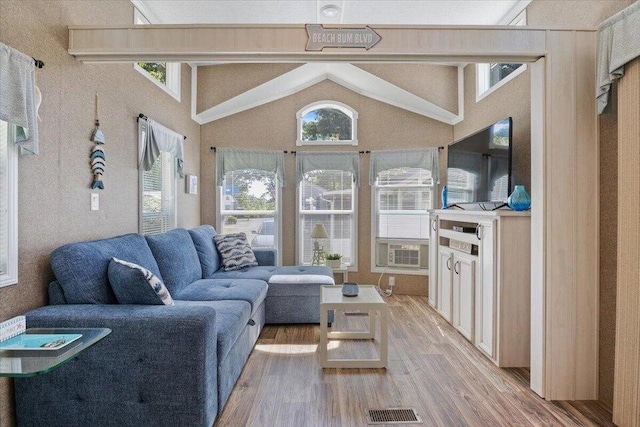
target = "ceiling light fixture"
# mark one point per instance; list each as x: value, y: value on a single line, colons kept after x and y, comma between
x: 330, y: 10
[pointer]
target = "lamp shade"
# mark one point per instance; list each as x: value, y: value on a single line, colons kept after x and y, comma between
x: 319, y: 232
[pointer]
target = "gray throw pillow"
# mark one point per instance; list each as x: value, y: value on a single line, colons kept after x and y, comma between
x: 134, y: 284
x: 235, y: 251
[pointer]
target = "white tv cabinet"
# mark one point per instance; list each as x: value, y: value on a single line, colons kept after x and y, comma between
x: 485, y: 295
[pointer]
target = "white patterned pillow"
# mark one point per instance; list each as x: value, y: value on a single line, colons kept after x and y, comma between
x: 235, y: 251
x: 134, y: 284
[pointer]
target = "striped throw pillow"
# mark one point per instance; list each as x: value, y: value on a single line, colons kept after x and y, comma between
x: 235, y: 251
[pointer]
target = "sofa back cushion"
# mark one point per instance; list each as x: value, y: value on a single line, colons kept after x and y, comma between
x: 235, y: 251
x: 134, y: 284
x: 177, y: 258
x: 81, y: 268
x: 207, y: 252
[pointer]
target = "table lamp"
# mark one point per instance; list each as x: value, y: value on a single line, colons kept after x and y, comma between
x: 318, y: 232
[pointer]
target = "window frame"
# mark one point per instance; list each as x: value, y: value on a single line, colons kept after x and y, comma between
x: 172, y: 80
x: 375, y: 221
x: 141, y: 172
x: 327, y: 104
x: 277, y: 216
x: 10, y: 277
x: 353, y: 266
x: 483, y: 71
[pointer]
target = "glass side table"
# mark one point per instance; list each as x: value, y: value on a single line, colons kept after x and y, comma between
x: 30, y: 366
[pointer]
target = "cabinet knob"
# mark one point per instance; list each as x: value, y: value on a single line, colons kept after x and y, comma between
x: 478, y: 228
x: 449, y: 264
x: 457, y: 264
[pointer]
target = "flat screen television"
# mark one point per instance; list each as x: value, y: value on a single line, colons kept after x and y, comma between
x: 479, y: 166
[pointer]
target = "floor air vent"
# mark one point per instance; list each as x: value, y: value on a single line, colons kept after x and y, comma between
x: 392, y: 416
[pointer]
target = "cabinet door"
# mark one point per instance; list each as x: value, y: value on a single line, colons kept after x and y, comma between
x: 464, y: 283
x: 486, y: 289
x: 445, y: 266
x: 433, y: 262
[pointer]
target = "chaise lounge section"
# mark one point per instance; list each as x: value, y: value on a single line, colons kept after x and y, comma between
x: 161, y: 365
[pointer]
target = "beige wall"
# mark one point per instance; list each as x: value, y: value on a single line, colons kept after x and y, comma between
x: 273, y: 127
x: 54, y: 186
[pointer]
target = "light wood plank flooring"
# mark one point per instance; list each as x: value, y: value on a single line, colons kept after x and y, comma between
x: 431, y: 368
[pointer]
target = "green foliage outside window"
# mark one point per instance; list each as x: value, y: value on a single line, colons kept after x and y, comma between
x: 326, y: 124
x: 158, y: 70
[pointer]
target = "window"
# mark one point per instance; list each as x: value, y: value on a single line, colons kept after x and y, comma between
x: 158, y: 192
x: 328, y: 197
x: 327, y: 123
x: 249, y: 201
x: 165, y: 75
x: 8, y: 206
x: 402, y: 199
x: 489, y: 77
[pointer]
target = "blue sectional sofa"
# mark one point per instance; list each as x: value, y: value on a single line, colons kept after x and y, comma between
x: 161, y: 365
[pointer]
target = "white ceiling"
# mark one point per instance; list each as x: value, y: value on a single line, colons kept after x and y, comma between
x: 408, y: 12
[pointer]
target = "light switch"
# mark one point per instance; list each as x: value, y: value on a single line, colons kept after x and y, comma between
x: 95, y: 201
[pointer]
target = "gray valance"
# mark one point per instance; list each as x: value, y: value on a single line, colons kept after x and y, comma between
x: 18, y: 97
x: 229, y: 159
x: 159, y: 139
x: 423, y: 158
x: 336, y: 161
x: 618, y: 43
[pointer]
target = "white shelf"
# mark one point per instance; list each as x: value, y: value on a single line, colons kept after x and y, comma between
x: 457, y: 235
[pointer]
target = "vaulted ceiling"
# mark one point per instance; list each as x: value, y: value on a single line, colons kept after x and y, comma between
x: 402, y: 12
x: 349, y: 12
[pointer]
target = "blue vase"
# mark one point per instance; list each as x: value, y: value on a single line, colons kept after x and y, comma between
x: 519, y: 200
x: 444, y: 197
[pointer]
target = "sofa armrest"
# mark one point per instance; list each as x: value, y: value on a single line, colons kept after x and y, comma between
x: 157, y: 360
x: 266, y: 256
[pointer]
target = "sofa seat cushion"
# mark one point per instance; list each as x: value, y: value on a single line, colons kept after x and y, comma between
x: 231, y: 319
x: 265, y: 272
x: 249, y: 290
x: 177, y: 258
x: 288, y: 285
x: 203, y: 240
x: 81, y: 268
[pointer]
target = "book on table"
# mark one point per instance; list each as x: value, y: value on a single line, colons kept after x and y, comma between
x: 39, y: 345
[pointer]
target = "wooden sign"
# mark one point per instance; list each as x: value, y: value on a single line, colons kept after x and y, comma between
x: 320, y: 37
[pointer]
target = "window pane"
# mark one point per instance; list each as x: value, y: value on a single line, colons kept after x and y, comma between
x: 260, y: 229
x: 326, y: 124
x: 157, y: 70
x: 340, y: 230
x: 404, y: 196
x: 248, y: 205
x: 326, y: 197
x: 159, y: 196
x: 500, y: 71
x: 4, y: 194
x: 327, y: 190
x: 250, y: 190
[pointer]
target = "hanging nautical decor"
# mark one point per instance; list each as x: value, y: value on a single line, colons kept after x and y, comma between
x: 97, y: 157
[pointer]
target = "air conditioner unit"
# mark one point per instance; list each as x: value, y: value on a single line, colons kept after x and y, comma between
x: 399, y: 254
x: 404, y: 256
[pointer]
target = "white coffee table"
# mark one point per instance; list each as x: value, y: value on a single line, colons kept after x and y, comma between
x: 369, y: 300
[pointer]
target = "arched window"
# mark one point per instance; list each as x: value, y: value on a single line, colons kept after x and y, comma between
x: 327, y: 123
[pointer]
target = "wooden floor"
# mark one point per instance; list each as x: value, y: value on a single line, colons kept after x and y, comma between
x: 431, y: 368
